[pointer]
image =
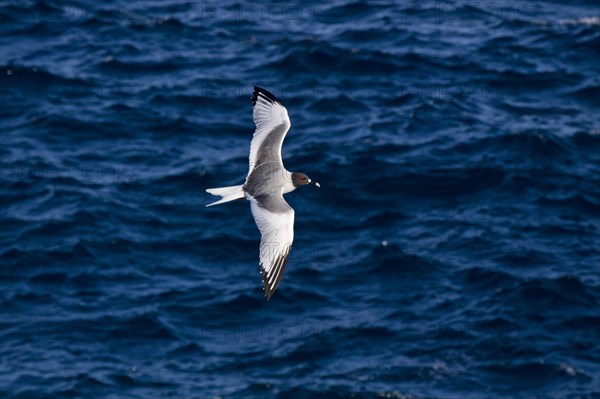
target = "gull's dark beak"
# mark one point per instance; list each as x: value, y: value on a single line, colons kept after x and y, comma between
x: 315, y: 183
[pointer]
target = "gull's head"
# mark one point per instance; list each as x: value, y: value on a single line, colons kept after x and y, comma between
x: 300, y: 179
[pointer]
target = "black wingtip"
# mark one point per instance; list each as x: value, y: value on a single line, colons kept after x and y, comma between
x: 279, y: 265
x: 266, y: 288
x: 265, y: 93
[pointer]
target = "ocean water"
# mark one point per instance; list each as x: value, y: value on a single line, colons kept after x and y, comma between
x: 452, y: 251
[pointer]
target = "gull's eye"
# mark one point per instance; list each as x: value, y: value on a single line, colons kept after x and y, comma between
x: 302, y: 178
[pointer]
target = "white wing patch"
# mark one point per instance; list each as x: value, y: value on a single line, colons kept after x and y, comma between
x: 277, y: 236
x: 269, y: 115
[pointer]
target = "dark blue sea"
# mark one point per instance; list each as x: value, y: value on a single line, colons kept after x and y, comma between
x: 452, y: 252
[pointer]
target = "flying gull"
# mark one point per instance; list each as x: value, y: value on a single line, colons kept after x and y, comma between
x: 265, y: 185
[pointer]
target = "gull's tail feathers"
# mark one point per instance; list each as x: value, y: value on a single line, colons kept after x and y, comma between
x: 228, y: 193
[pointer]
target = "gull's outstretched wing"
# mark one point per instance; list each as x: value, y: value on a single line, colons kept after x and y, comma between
x: 275, y: 220
x: 272, y: 124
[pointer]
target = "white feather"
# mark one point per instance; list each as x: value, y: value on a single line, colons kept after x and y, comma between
x: 268, y: 115
x: 277, y: 236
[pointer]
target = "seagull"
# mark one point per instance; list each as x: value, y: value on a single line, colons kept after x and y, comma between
x: 265, y: 185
